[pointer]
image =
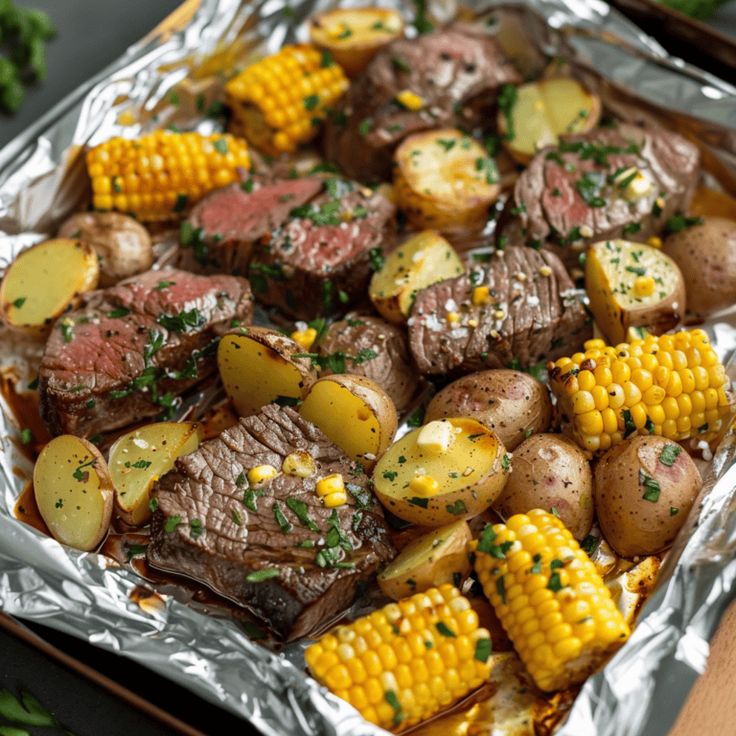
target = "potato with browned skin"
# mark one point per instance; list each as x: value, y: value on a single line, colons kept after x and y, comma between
x: 552, y: 473
x: 513, y: 404
x: 644, y: 490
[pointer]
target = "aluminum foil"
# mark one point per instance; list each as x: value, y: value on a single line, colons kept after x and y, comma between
x: 42, y: 180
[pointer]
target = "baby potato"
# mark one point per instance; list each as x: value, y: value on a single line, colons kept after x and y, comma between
x: 435, y: 558
x: 707, y: 254
x: 122, y: 244
x: 448, y: 469
x: 445, y: 180
x: 73, y: 491
x: 139, y: 458
x: 354, y: 412
x: 644, y: 489
x: 259, y: 366
x: 550, y: 472
x: 633, y: 285
x: 354, y: 35
x: 46, y: 279
x: 513, y: 404
x: 543, y: 111
x: 421, y: 261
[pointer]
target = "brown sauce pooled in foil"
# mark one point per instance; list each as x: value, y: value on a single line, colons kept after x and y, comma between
x: 26, y: 509
x: 23, y: 404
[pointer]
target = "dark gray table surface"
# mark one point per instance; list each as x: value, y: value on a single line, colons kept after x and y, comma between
x: 91, y: 34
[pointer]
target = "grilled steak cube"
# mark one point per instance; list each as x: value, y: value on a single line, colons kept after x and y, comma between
x: 275, y: 548
x: 222, y: 227
x: 519, y: 308
x: 456, y: 72
x: 134, y: 347
x: 319, y: 261
x: 624, y: 182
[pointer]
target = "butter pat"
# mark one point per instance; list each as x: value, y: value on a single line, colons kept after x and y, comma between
x: 436, y: 438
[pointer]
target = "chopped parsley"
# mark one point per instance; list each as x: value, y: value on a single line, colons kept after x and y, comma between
x: 445, y: 630
x: 590, y: 544
x: 669, y: 454
x: 483, y: 650
x: 393, y: 700
x: 651, y: 487
x: 506, y: 102
x: 138, y: 464
x: 19, y: 302
x: 80, y: 476
x: 26, y: 436
x: 195, y: 528
x: 182, y: 322
x: 300, y: 510
x: 281, y: 520
x: 258, y: 576
x: 457, y: 508
x: 678, y: 223
x: 172, y: 523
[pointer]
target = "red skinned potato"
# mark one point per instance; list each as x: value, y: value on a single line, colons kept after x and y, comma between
x: 552, y: 473
x: 644, y: 490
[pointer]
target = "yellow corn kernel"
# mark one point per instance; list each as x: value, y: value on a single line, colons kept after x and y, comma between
x: 424, y: 485
x: 481, y: 295
x: 330, y: 484
x: 334, y: 499
x: 438, y: 655
x: 410, y: 100
x: 453, y: 317
x: 299, y: 463
x: 654, y: 241
x: 144, y: 177
x: 643, y: 286
x: 261, y: 473
x: 304, y: 338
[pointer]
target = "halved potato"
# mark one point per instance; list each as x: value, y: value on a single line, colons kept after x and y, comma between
x: 446, y: 470
x: 633, y: 285
x: 73, y: 491
x: 354, y: 412
x: 354, y: 35
x: 433, y: 559
x: 445, y: 180
x: 139, y: 458
x: 259, y: 366
x: 542, y: 111
x: 424, y: 259
x: 44, y: 280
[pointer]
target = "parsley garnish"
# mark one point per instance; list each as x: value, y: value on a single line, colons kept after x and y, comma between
x: 259, y: 576
x: 172, y: 523
x: 669, y: 454
x: 651, y: 487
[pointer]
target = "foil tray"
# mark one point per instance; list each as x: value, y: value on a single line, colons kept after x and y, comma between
x: 42, y: 180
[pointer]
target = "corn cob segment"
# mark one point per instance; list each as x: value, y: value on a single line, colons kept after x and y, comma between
x: 556, y: 609
x: 406, y: 661
x: 280, y: 102
x: 671, y: 385
x: 160, y: 175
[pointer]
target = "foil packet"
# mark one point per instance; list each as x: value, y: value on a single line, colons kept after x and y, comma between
x: 42, y: 180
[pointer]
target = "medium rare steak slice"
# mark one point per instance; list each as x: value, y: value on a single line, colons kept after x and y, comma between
x: 221, y: 230
x: 529, y: 313
x: 624, y: 182
x: 275, y: 549
x: 319, y: 262
x: 456, y: 72
x: 133, y: 348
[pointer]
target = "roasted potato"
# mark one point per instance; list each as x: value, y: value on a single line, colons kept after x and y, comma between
x: 122, y: 244
x: 73, y: 491
x: 441, y: 556
x: 513, y: 404
x: 46, y: 279
x: 444, y: 180
x: 369, y: 346
x: 259, y: 366
x: 706, y: 252
x: 633, y: 285
x: 424, y: 259
x: 644, y: 489
x: 354, y: 35
x: 448, y: 469
x: 543, y: 111
x: 139, y: 458
x: 550, y: 472
x: 354, y: 412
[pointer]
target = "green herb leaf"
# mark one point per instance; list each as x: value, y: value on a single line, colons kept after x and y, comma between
x: 25, y: 710
x: 669, y: 454
x: 445, y: 630
x: 457, y: 508
x: 196, y: 528
x: 281, y: 520
x: 172, y: 523
x: 301, y: 511
x: 651, y: 487
x: 483, y: 649
x: 393, y: 701
x: 555, y: 583
x: 258, y: 576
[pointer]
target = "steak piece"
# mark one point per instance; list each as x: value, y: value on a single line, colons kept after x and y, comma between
x: 223, y: 226
x: 133, y: 348
x: 587, y: 189
x: 457, y: 73
x: 276, y: 550
x: 319, y: 262
x: 369, y: 346
x: 531, y: 314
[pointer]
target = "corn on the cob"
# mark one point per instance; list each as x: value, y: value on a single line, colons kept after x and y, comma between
x: 553, y: 604
x: 671, y: 385
x: 280, y: 101
x: 158, y: 176
x: 403, y: 663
